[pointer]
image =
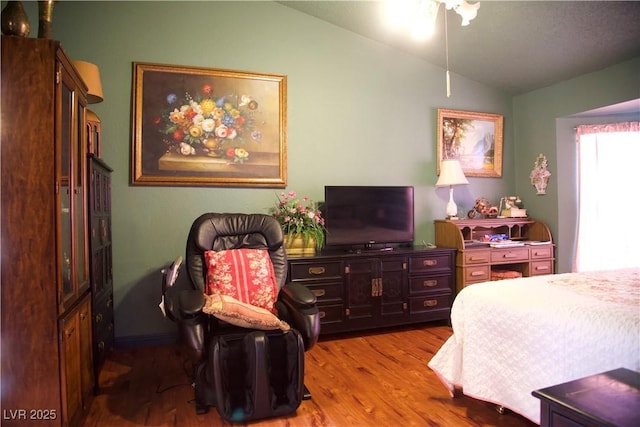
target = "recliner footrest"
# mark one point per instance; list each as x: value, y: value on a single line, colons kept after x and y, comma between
x: 258, y: 374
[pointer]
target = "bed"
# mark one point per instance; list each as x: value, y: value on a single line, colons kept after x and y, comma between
x: 511, y: 337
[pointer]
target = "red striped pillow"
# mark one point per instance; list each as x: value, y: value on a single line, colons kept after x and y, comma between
x: 244, y: 274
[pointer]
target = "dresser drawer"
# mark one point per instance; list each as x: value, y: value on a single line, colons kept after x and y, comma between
x: 103, y: 311
x: 394, y: 264
x: 429, y: 262
x: 538, y: 268
x: 315, y: 270
x: 538, y: 252
x: 422, y: 284
x: 477, y: 257
x: 326, y: 291
x: 102, y: 317
x: 509, y: 255
x: 103, y: 341
x: 330, y: 313
x: 478, y: 273
x: 430, y: 303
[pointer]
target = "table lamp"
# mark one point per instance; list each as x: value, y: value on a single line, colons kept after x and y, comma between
x: 451, y: 174
x: 91, y: 76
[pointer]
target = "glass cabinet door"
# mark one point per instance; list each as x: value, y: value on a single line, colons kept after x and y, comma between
x: 66, y: 237
x: 73, y: 269
x: 80, y: 211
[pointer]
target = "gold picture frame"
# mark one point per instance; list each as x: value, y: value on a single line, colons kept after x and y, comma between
x: 475, y: 139
x: 196, y: 126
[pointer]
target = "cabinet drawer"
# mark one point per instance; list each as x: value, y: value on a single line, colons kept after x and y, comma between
x: 541, y: 252
x: 538, y: 268
x: 422, y: 284
x: 327, y: 291
x: 509, y: 255
x: 315, y: 270
x: 330, y: 313
x: 478, y: 273
x: 394, y: 264
x: 102, y: 317
x: 477, y: 257
x: 428, y: 262
x: 103, y: 341
x: 423, y: 304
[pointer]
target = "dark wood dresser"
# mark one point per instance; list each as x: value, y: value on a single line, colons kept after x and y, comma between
x: 374, y: 289
x: 100, y: 260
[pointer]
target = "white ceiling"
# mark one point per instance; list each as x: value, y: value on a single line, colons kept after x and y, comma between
x: 516, y: 46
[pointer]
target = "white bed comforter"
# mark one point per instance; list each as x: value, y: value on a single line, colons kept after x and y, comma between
x: 511, y: 337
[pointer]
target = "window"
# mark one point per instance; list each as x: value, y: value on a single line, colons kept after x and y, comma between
x: 608, y: 204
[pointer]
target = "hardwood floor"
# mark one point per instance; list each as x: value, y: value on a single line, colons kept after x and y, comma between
x: 377, y: 379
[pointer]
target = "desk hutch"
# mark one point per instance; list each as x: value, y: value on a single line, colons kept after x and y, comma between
x: 475, y: 259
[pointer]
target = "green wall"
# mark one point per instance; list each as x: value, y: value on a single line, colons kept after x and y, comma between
x: 543, y: 125
x: 359, y: 113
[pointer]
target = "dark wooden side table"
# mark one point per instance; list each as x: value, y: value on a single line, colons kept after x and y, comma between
x: 611, y: 398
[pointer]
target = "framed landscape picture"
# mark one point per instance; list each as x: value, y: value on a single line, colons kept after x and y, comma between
x: 208, y: 127
x: 475, y: 139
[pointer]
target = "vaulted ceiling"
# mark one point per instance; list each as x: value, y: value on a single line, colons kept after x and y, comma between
x: 516, y: 46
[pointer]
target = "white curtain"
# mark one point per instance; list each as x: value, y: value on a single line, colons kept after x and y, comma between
x: 609, y: 196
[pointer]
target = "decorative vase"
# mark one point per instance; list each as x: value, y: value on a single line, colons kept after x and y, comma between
x: 541, y: 184
x: 295, y: 245
x: 15, y: 21
x: 45, y: 18
x: 213, y: 147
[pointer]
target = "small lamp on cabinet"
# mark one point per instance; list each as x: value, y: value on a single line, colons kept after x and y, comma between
x: 91, y: 76
x: 451, y: 174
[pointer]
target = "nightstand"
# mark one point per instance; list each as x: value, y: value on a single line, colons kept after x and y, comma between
x: 610, y: 398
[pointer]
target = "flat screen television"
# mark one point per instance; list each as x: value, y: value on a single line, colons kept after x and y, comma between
x: 368, y: 217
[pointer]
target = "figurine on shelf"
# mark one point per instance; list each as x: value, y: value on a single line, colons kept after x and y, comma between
x: 540, y: 175
x: 483, y: 209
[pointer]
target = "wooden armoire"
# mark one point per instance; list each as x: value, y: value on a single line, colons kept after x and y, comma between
x: 47, y: 365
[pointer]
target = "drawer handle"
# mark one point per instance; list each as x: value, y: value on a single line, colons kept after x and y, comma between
x: 430, y: 303
x: 322, y: 314
x: 99, y: 318
x: 101, y: 346
x: 430, y: 262
x: 473, y: 258
x: 477, y: 273
x: 540, y: 254
x: 542, y: 267
x: 316, y: 270
x: 318, y: 292
x: 70, y: 332
x: 429, y: 283
x: 509, y: 255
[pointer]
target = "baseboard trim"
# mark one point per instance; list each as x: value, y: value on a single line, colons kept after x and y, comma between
x: 133, y: 341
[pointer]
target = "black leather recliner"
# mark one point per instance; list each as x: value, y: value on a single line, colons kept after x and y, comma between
x: 246, y: 374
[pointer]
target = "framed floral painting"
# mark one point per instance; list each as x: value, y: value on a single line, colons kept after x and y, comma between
x: 208, y: 127
x: 475, y: 139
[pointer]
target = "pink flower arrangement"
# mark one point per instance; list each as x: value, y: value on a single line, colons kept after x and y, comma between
x: 299, y: 216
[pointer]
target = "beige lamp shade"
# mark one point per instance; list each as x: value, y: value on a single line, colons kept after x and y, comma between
x: 91, y: 77
x: 451, y: 174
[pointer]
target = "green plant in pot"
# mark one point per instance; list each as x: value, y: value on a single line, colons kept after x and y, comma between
x: 301, y: 222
